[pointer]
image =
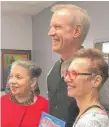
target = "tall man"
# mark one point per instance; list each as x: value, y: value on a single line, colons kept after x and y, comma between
x: 69, y: 27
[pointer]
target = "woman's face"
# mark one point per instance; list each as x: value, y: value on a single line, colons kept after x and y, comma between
x: 79, y: 85
x: 19, y: 80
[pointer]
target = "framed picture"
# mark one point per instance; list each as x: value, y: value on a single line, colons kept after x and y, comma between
x: 103, y: 45
x: 8, y: 56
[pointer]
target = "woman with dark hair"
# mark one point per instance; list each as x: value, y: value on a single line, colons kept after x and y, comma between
x: 22, y: 107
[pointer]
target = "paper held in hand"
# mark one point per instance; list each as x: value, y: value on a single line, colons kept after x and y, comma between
x: 48, y: 120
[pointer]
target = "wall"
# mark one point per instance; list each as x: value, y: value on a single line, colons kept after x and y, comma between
x: 16, y: 32
x: 42, y: 53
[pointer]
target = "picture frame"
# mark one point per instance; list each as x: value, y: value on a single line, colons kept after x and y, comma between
x: 8, y: 56
x: 103, y: 45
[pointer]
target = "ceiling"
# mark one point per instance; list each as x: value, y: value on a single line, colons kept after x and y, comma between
x: 24, y: 7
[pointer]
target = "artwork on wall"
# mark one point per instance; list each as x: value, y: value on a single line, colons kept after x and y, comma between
x: 8, y: 56
x: 103, y: 45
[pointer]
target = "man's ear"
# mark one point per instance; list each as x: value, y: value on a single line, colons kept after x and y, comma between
x: 33, y: 82
x: 77, y: 31
x: 97, y: 81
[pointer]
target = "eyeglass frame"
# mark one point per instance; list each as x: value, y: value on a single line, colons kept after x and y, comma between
x: 68, y: 73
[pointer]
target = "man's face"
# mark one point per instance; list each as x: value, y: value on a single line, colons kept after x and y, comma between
x: 79, y: 85
x: 61, y: 31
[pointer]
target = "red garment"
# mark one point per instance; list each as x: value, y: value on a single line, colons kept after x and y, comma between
x: 15, y: 115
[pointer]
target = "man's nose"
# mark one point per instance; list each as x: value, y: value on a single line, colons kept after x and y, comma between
x: 51, y: 32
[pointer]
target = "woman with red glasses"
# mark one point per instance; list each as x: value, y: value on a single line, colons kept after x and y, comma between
x: 85, y: 76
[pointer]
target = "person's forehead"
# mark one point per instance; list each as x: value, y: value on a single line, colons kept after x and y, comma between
x: 79, y: 64
x: 61, y: 14
x: 18, y: 68
x: 60, y: 20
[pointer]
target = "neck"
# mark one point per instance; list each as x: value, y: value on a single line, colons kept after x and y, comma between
x: 23, y: 98
x: 85, y: 102
x: 69, y: 53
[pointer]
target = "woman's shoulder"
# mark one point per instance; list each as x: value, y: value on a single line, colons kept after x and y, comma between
x: 97, y: 113
x: 6, y: 96
x: 92, y: 118
x: 5, y: 99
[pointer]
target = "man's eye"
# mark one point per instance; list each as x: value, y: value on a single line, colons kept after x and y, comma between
x: 57, y: 27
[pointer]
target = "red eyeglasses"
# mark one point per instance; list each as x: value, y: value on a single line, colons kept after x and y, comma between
x: 73, y: 74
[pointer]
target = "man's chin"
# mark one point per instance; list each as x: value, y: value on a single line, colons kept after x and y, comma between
x: 54, y: 49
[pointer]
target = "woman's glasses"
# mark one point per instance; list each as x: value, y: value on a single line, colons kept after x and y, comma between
x: 73, y: 74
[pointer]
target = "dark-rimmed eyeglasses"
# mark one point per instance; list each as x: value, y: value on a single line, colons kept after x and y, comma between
x: 73, y: 74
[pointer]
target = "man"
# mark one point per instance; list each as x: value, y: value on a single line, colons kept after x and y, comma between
x: 69, y: 27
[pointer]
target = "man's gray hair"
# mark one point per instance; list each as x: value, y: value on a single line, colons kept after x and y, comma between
x: 79, y: 17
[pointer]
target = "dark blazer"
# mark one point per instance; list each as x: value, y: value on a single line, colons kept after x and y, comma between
x: 60, y: 105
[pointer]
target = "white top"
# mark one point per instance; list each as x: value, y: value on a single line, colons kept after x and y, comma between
x: 93, y: 118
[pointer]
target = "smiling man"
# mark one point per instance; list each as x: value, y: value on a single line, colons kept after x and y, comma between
x: 68, y: 28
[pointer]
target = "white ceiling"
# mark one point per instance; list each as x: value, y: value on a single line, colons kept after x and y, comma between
x: 24, y: 7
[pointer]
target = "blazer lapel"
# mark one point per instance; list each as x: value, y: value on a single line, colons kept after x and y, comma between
x: 54, y: 77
